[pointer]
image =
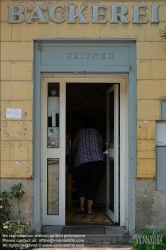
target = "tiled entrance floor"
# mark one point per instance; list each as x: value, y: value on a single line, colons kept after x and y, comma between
x: 99, y: 217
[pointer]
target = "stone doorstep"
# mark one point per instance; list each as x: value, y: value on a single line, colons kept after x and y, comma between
x: 104, y: 240
x: 114, y: 235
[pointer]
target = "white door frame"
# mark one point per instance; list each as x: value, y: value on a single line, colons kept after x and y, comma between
x: 123, y: 80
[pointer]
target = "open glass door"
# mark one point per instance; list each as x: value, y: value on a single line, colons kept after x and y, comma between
x: 53, y: 151
x: 112, y: 152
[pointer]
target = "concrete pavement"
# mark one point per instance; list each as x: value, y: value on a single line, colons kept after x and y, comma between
x: 91, y: 248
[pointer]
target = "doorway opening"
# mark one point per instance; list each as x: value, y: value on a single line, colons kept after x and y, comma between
x: 66, y: 102
x: 83, y: 101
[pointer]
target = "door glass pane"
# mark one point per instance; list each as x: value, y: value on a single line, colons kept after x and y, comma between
x: 111, y: 146
x: 53, y: 115
x: 111, y: 184
x: 52, y: 186
x: 111, y: 119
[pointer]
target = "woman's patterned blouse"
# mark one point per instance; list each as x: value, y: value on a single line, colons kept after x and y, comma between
x: 88, y: 146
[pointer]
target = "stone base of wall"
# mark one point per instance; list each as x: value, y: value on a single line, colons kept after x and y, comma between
x: 26, y: 203
x: 150, y: 205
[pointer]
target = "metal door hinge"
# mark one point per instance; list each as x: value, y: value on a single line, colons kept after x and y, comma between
x: 40, y: 47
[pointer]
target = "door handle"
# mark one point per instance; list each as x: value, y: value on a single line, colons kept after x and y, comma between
x: 106, y: 152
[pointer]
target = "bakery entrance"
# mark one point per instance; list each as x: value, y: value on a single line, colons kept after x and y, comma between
x: 67, y: 102
x: 99, y: 101
x: 84, y: 102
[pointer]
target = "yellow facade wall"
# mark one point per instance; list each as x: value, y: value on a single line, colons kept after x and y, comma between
x: 17, y: 78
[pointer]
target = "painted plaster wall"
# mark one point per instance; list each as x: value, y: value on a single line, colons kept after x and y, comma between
x: 17, y: 80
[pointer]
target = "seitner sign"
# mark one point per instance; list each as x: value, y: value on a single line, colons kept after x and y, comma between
x: 60, y: 13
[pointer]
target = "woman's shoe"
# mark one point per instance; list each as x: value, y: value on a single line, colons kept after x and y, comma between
x: 92, y: 212
x: 79, y: 211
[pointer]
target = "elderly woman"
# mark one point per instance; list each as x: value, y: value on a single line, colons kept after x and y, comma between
x: 89, y: 165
